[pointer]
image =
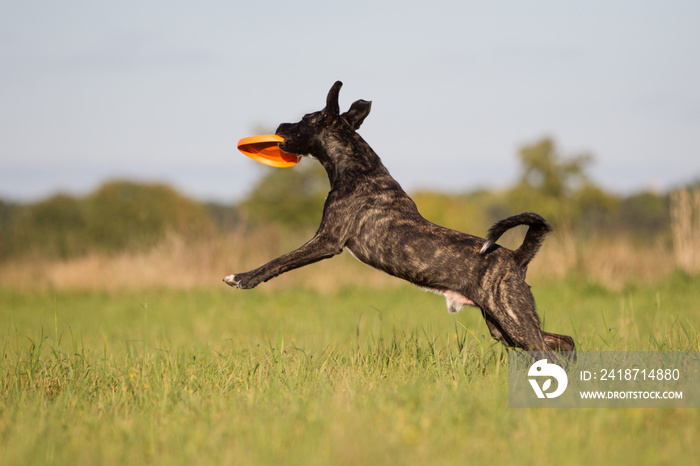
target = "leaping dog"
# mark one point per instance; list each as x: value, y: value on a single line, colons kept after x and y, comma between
x: 369, y: 214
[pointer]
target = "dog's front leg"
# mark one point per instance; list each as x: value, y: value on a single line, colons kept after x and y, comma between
x: 318, y: 248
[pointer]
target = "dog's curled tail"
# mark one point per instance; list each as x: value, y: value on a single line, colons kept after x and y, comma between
x: 538, y: 231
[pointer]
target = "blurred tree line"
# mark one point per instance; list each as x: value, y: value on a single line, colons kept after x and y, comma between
x: 120, y: 215
x: 559, y: 188
x: 123, y: 215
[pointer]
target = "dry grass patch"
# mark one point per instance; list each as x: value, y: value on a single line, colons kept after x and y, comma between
x: 176, y: 263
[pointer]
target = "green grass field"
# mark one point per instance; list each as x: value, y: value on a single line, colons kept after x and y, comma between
x: 300, y: 377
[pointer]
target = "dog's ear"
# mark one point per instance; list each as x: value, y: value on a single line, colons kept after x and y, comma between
x: 332, y: 106
x: 357, y: 113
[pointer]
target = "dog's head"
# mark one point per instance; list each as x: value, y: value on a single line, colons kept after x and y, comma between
x: 319, y: 133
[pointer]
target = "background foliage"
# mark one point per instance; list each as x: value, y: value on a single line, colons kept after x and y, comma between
x: 120, y: 215
x: 124, y: 215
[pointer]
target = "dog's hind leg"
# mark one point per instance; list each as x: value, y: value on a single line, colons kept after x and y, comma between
x: 514, y: 334
x: 495, y: 330
x: 552, y: 341
x: 510, y: 314
x: 512, y: 319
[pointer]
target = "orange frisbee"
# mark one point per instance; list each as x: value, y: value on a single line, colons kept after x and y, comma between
x: 265, y: 149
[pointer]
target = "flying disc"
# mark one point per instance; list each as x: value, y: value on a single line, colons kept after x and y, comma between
x: 265, y: 149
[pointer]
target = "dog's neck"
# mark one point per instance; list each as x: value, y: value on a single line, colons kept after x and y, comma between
x: 347, y: 158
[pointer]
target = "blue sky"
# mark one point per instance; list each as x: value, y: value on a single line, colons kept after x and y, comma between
x: 163, y: 90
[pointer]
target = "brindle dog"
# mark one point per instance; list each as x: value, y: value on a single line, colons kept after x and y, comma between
x: 369, y: 214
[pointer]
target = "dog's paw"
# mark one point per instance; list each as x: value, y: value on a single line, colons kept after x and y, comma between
x: 231, y: 280
x: 241, y: 281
